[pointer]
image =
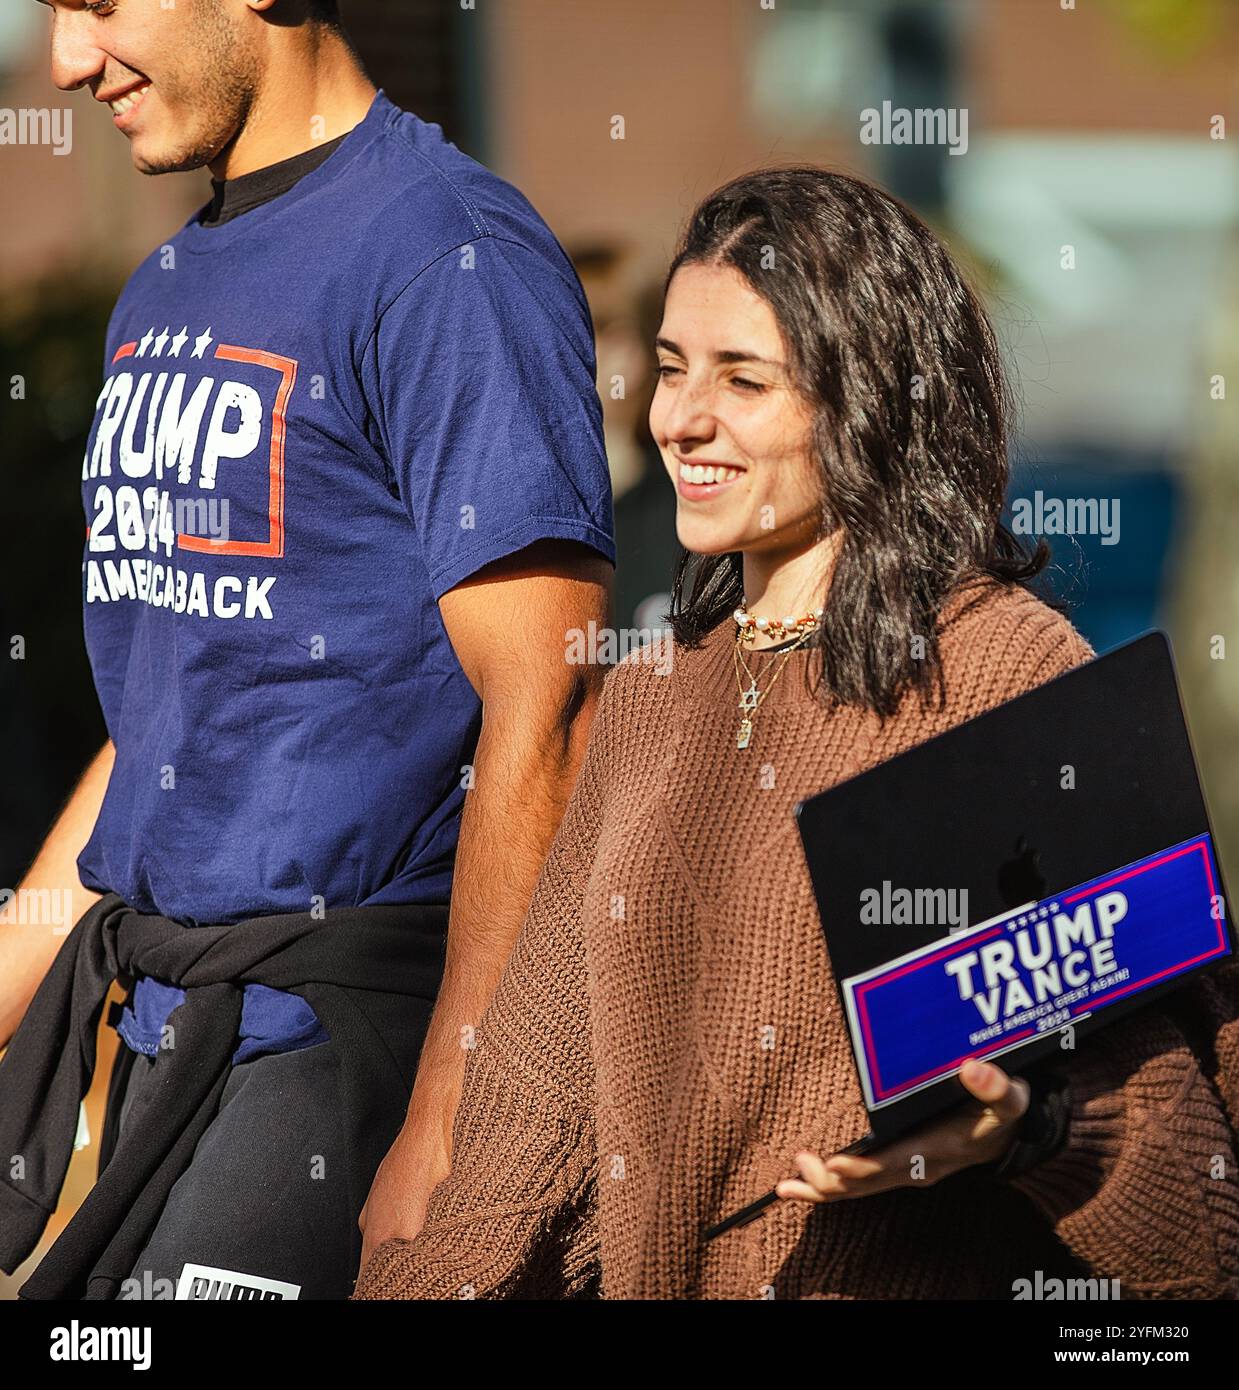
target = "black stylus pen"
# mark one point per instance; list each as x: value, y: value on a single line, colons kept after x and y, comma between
x: 755, y: 1209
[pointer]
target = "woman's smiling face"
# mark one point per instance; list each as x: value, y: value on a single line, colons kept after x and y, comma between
x: 733, y: 432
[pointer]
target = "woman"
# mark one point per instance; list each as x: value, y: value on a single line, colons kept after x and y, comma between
x: 665, y: 1044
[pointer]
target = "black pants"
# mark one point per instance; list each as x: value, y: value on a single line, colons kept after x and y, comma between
x: 276, y: 1183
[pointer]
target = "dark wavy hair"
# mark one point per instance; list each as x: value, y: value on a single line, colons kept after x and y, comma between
x: 894, y: 353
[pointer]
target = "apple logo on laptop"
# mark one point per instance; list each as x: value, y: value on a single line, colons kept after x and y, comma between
x: 1020, y: 879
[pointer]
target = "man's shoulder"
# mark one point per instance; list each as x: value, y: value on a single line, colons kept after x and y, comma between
x: 421, y: 198
x: 407, y: 209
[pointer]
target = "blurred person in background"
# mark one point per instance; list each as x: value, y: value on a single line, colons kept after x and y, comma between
x: 833, y: 412
x: 345, y: 494
x: 625, y: 315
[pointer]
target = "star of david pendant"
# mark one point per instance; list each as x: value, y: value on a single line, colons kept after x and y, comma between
x: 749, y: 699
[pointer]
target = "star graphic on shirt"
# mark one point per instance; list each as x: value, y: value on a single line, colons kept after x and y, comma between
x: 157, y: 350
x: 145, y: 343
x: 200, y: 343
x: 179, y: 342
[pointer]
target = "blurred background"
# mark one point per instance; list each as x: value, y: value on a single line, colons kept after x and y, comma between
x: 1096, y: 205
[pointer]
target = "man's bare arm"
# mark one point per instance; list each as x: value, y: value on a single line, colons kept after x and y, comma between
x: 28, y: 947
x: 509, y: 627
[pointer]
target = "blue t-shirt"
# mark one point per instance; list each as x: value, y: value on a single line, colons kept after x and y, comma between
x: 316, y: 419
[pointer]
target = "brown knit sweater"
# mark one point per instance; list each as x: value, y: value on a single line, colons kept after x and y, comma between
x: 666, y: 1036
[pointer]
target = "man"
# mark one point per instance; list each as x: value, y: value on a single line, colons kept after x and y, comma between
x: 346, y: 495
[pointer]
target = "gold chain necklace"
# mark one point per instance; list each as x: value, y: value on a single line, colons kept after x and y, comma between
x: 752, y: 699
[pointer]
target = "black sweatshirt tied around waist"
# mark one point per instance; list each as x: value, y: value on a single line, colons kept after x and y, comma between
x: 331, y: 961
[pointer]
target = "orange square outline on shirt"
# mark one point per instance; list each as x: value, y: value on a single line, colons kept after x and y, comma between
x: 274, y: 545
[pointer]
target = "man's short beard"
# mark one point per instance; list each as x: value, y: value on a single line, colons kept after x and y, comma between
x: 223, y: 89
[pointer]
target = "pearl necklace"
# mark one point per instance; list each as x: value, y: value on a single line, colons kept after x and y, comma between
x: 750, y: 626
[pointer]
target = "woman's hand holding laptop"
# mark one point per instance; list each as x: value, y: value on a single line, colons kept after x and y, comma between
x: 967, y: 1136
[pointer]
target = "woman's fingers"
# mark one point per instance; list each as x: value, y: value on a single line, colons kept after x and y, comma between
x: 853, y: 1166
x: 1007, y: 1098
x: 841, y: 1175
x: 816, y: 1181
x: 958, y: 1141
x: 814, y: 1171
x: 793, y: 1190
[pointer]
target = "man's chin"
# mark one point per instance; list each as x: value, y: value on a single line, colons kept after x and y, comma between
x: 151, y: 158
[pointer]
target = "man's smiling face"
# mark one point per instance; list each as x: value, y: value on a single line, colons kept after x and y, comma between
x: 179, y: 79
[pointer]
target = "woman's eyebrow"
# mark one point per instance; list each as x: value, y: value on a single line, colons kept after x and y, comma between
x: 721, y: 354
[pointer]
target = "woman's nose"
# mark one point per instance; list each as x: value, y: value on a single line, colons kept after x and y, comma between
x: 690, y: 415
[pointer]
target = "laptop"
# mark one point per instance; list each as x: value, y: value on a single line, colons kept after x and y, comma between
x: 1067, y: 822
x: 1011, y: 885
